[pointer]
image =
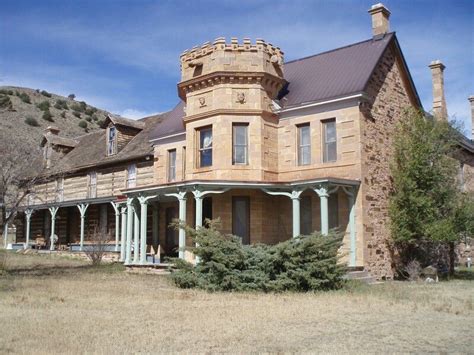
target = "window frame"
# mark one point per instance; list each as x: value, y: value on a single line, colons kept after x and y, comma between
x: 300, y: 146
x: 235, y: 145
x: 60, y: 189
x: 201, y: 150
x: 92, y: 184
x: 325, y: 141
x: 131, y: 181
x: 171, y: 152
x: 114, y: 142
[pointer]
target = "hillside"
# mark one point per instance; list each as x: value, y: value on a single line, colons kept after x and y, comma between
x: 24, y: 116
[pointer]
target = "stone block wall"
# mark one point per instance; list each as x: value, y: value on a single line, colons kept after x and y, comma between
x: 388, y: 97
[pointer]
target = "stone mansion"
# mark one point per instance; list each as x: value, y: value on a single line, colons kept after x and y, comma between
x: 273, y: 149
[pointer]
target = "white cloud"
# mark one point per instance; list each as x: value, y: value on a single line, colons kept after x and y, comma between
x: 135, y: 113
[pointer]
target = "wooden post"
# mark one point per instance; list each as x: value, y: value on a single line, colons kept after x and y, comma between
x: 28, y: 214
x: 295, y: 198
x: 136, y: 235
x: 117, y: 224
x: 128, y: 246
x: 53, y: 211
x: 123, y: 212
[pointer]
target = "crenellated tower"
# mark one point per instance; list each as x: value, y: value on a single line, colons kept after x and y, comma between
x: 227, y: 83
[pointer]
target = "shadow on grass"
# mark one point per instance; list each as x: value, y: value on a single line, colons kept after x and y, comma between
x: 464, y: 274
x: 56, y: 270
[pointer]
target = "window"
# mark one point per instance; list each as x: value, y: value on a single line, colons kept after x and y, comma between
x: 206, y: 210
x: 241, y: 218
x: 240, y: 143
x: 306, y: 217
x: 172, y: 165
x: 304, y: 144
x: 92, y: 185
x: 330, y: 141
x: 131, y: 176
x: 333, y: 207
x: 205, y: 147
x: 111, y: 140
x: 60, y: 189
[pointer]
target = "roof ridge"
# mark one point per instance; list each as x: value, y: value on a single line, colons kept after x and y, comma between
x: 333, y: 50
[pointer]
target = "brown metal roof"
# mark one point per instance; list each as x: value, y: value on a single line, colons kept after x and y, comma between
x: 171, y: 123
x: 333, y: 74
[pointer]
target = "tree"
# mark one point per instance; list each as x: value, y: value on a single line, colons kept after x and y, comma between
x: 427, y: 208
x: 71, y: 96
x: 20, y: 170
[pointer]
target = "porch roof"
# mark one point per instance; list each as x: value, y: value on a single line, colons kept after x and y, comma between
x: 228, y: 184
x: 69, y: 203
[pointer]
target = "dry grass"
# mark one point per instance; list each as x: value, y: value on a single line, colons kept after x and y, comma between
x: 56, y: 305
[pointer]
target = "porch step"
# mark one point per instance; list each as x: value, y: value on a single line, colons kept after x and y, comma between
x: 362, y: 276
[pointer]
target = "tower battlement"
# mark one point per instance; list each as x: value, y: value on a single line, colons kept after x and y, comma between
x: 221, y: 56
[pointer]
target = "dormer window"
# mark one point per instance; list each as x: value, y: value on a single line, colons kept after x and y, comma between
x: 111, y: 140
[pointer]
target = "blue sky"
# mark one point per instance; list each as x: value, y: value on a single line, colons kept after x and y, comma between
x: 123, y: 56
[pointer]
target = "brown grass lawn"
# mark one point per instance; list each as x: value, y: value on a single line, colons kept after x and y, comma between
x: 50, y: 304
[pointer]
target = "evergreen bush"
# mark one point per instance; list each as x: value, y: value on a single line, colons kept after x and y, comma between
x: 63, y: 114
x: 77, y: 114
x: 6, y: 92
x: 45, y: 93
x: 61, y: 104
x: 47, y: 116
x: 82, y: 124
x: 31, y: 121
x: 43, y: 105
x: 5, y: 102
x: 24, y: 97
x: 306, y: 263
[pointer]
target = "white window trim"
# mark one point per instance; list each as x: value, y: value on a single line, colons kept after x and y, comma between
x: 170, y: 151
x: 234, y: 145
x: 324, y: 142
x: 92, y: 184
x: 114, y: 147
x: 131, y: 180
x: 300, y: 146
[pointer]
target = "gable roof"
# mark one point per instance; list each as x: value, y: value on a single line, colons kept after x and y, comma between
x: 90, y: 150
x: 58, y: 140
x: 172, y: 123
x: 122, y: 121
x: 333, y: 74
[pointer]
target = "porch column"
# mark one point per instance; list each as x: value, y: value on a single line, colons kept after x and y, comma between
x: 117, y: 223
x: 295, y: 198
x: 351, y: 194
x: 128, y: 241
x: 136, y: 234
x: 53, y: 211
x: 28, y: 214
x: 323, y: 192
x: 181, y: 196
x: 155, y: 224
x: 82, y: 210
x: 123, y: 212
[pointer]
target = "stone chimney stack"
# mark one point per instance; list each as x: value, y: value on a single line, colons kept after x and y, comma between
x: 471, y: 101
x: 380, y: 23
x: 439, y: 102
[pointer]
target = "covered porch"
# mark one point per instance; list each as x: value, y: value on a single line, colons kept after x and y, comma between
x: 256, y: 212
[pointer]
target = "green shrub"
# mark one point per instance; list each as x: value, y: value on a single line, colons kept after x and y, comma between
x: 63, y: 114
x: 5, y: 102
x: 43, y: 105
x: 306, y: 263
x: 47, y: 116
x: 82, y: 124
x: 6, y: 92
x: 24, y: 97
x: 31, y: 121
x: 77, y: 114
x: 45, y: 93
x: 88, y: 119
x: 90, y: 111
x: 61, y: 104
x: 100, y: 122
x: 79, y: 106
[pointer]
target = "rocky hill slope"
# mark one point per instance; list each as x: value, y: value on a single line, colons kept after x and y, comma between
x: 25, y: 113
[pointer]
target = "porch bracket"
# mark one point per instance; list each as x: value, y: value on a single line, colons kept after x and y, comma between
x: 323, y: 191
x: 143, y: 226
x: 53, y: 210
x: 82, y: 210
x: 351, y: 193
x: 295, y: 199
x: 181, y: 196
x: 28, y: 213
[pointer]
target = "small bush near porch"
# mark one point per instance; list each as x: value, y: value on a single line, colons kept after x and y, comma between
x: 51, y: 304
x: 306, y: 263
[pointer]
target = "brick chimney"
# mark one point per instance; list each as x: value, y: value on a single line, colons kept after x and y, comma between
x: 471, y: 101
x: 380, y: 23
x: 439, y: 102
